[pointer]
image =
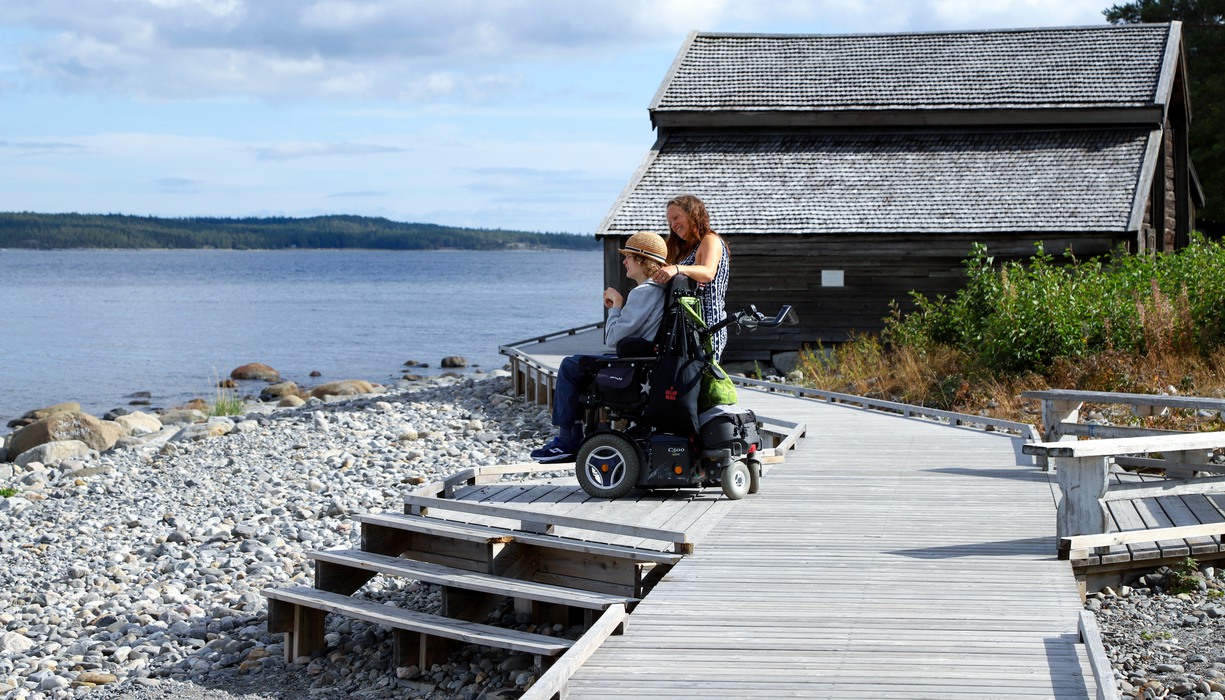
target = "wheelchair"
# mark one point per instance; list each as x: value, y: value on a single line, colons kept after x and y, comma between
x: 644, y: 423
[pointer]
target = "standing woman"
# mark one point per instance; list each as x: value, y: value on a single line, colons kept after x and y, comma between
x: 701, y: 255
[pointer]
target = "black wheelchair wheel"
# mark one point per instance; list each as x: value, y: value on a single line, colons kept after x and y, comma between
x: 607, y: 466
x: 735, y: 480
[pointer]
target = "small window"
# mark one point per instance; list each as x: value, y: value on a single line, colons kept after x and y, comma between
x: 831, y: 278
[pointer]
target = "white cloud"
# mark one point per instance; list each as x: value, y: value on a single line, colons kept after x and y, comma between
x: 299, y: 149
x: 417, y: 50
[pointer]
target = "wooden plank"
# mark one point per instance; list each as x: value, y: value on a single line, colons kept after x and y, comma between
x: 1110, y: 397
x: 481, y: 533
x: 424, y: 502
x: 1129, y: 518
x: 1181, y: 516
x: 1187, y: 468
x: 468, y: 580
x: 1167, y: 487
x: 1155, y: 519
x: 433, y: 625
x: 1206, y: 513
x: 1092, y: 430
x: 1126, y: 446
x: 1145, y: 535
x: 554, y: 680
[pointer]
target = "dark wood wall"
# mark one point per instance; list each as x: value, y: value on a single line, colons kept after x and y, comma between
x: 771, y: 270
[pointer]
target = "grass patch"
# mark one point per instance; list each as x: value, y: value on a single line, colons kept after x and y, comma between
x: 8, y: 492
x: 226, y: 403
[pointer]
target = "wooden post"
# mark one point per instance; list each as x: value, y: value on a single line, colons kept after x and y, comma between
x: 307, y: 635
x: 1054, y: 414
x: 1083, y: 482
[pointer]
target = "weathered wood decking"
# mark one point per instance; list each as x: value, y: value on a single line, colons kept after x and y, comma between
x: 886, y: 558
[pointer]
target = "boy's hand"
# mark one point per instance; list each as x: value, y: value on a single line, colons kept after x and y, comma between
x: 613, y: 298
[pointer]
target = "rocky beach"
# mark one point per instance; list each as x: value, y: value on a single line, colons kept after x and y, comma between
x: 135, y: 571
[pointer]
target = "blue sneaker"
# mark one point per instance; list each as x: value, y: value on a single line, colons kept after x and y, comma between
x: 552, y: 452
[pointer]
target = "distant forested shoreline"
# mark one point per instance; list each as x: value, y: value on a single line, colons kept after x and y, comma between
x: 58, y: 231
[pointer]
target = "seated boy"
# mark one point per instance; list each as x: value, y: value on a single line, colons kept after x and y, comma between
x: 636, y: 316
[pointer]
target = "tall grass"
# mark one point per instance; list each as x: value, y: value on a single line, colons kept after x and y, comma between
x: 226, y: 401
x: 1137, y: 323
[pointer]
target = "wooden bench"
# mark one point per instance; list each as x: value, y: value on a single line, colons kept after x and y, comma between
x: 1061, y: 413
x: 1083, y: 472
x: 299, y: 613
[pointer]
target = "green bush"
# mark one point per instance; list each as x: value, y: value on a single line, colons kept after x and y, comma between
x: 1021, y: 316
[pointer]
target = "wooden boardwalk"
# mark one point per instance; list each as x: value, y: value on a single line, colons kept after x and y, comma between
x: 888, y: 557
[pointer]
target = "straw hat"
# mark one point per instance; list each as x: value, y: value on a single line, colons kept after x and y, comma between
x: 648, y: 245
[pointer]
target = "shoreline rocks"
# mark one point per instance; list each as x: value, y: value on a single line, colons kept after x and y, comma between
x: 1163, y: 643
x: 136, y: 572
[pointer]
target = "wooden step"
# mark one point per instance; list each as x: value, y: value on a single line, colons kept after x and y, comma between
x: 299, y: 613
x: 327, y: 560
x: 544, y: 522
x: 484, y: 534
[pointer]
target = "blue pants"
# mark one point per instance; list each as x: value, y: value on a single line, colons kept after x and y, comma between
x: 572, y: 377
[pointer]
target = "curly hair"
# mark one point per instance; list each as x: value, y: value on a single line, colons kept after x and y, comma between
x: 699, y: 222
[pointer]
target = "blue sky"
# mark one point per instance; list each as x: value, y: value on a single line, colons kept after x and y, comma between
x: 512, y: 114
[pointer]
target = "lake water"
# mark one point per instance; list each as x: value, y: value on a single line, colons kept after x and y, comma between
x: 97, y: 326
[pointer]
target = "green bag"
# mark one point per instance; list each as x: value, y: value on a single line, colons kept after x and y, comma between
x: 717, y: 388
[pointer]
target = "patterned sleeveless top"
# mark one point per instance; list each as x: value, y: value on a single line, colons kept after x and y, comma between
x: 712, y: 294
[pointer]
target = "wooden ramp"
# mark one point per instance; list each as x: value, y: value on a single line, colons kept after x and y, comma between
x: 887, y: 557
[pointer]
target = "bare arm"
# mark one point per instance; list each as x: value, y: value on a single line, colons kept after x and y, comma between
x: 706, y: 263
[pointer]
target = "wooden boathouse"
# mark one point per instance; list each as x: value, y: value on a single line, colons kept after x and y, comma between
x: 848, y: 170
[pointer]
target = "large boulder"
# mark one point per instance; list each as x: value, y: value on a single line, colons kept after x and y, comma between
x: 52, y: 453
x: 278, y: 390
x: 182, y: 415
x: 344, y: 387
x: 65, y: 407
x: 70, y: 425
x: 256, y: 370
x: 30, y: 416
x: 138, y: 423
x: 454, y: 361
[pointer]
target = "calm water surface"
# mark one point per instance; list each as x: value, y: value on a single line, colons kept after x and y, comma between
x: 97, y: 326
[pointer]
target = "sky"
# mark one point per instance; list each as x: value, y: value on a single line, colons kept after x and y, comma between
x: 516, y: 114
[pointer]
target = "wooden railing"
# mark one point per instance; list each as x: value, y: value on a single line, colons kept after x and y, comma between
x: 1024, y: 430
x: 1061, y: 413
x: 532, y: 380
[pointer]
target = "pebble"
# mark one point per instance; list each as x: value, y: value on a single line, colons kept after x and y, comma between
x: 142, y: 578
x: 1163, y: 644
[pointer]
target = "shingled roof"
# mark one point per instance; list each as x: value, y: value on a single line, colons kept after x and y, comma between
x: 1026, y: 130
x: 796, y: 182
x: 1037, y: 70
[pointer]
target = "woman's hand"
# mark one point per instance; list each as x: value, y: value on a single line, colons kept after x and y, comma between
x: 613, y: 298
x: 665, y: 273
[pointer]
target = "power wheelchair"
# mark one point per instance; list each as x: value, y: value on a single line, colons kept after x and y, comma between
x: 644, y: 421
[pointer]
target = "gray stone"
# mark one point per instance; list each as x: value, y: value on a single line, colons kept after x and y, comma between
x: 52, y: 453
x: 177, y: 416
x: 11, y: 642
x: 784, y: 362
